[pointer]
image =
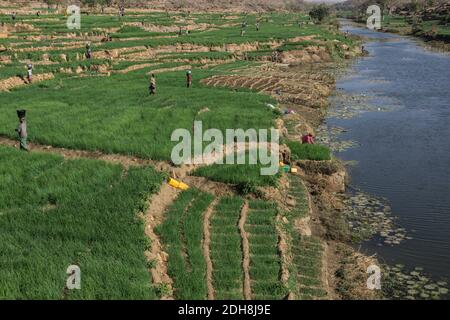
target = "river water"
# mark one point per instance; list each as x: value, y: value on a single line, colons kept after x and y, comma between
x: 399, y: 123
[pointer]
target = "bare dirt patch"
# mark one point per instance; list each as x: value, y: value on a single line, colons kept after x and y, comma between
x: 13, y: 82
x: 347, y: 273
x: 296, y: 86
x: 219, y: 189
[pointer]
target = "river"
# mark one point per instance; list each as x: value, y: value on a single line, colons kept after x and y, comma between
x: 400, y: 123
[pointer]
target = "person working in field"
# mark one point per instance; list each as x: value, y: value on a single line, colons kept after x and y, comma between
x: 152, y: 87
x: 88, y: 51
x: 22, y: 130
x: 285, y: 154
x: 243, y: 28
x: 189, y: 78
x: 30, y: 73
x: 308, y: 139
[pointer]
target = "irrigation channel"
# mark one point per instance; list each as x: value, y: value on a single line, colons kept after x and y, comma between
x: 390, y: 118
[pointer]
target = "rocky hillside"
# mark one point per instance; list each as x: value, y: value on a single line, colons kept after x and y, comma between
x: 237, y: 5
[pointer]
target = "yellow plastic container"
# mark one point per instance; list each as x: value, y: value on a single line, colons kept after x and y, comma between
x: 294, y: 170
x: 177, y: 184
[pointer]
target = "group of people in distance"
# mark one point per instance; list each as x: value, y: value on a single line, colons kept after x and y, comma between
x: 152, y: 85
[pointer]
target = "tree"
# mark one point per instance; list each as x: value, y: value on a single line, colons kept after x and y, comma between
x: 89, y: 3
x: 104, y: 3
x: 49, y: 3
x: 319, y: 12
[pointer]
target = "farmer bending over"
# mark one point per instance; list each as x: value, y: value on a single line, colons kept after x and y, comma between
x: 308, y: 139
x: 285, y: 154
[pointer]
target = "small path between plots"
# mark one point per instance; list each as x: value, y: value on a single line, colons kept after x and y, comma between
x: 245, y: 252
x: 154, y: 216
x: 206, y: 248
x: 125, y: 161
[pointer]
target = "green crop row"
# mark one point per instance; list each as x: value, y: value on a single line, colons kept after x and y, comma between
x: 55, y: 213
x: 265, y: 262
x: 301, y: 151
x: 182, y: 234
x: 226, y: 250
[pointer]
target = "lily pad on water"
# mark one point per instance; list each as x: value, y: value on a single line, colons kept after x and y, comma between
x: 443, y: 290
x: 413, y: 292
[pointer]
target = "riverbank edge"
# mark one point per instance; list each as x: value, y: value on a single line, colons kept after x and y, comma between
x: 427, y: 41
x: 346, y: 267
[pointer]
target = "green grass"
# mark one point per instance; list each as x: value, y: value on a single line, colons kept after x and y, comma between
x: 307, y: 252
x: 315, y: 152
x: 55, y: 213
x: 182, y: 234
x: 226, y: 252
x: 115, y: 114
x: 237, y: 174
x: 265, y: 262
x: 104, y: 114
x: 305, y: 269
x: 298, y: 193
x: 94, y: 222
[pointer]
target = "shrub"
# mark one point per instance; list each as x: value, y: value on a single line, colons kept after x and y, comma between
x: 319, y: 12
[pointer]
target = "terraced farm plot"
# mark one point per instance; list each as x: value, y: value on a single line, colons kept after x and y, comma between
x: 122, y: 118
x: 226, y: 251
x: 302, y: 151
x: 55, y: 213
x: 237, y: 174
x: 84, y: 211
x: 182, y: 234
x: 307, y: 252
x: 298, y: 193
x: 265, y: 262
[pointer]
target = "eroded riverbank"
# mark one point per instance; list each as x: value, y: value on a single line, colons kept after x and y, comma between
x: 388, y: 122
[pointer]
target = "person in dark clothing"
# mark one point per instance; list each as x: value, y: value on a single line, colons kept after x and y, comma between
x: 30, y: 73
x: 152, y: 87
x: 308, y: 139
x: 189, y: 79
x: 22, y: 130
x: 88, y: 51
